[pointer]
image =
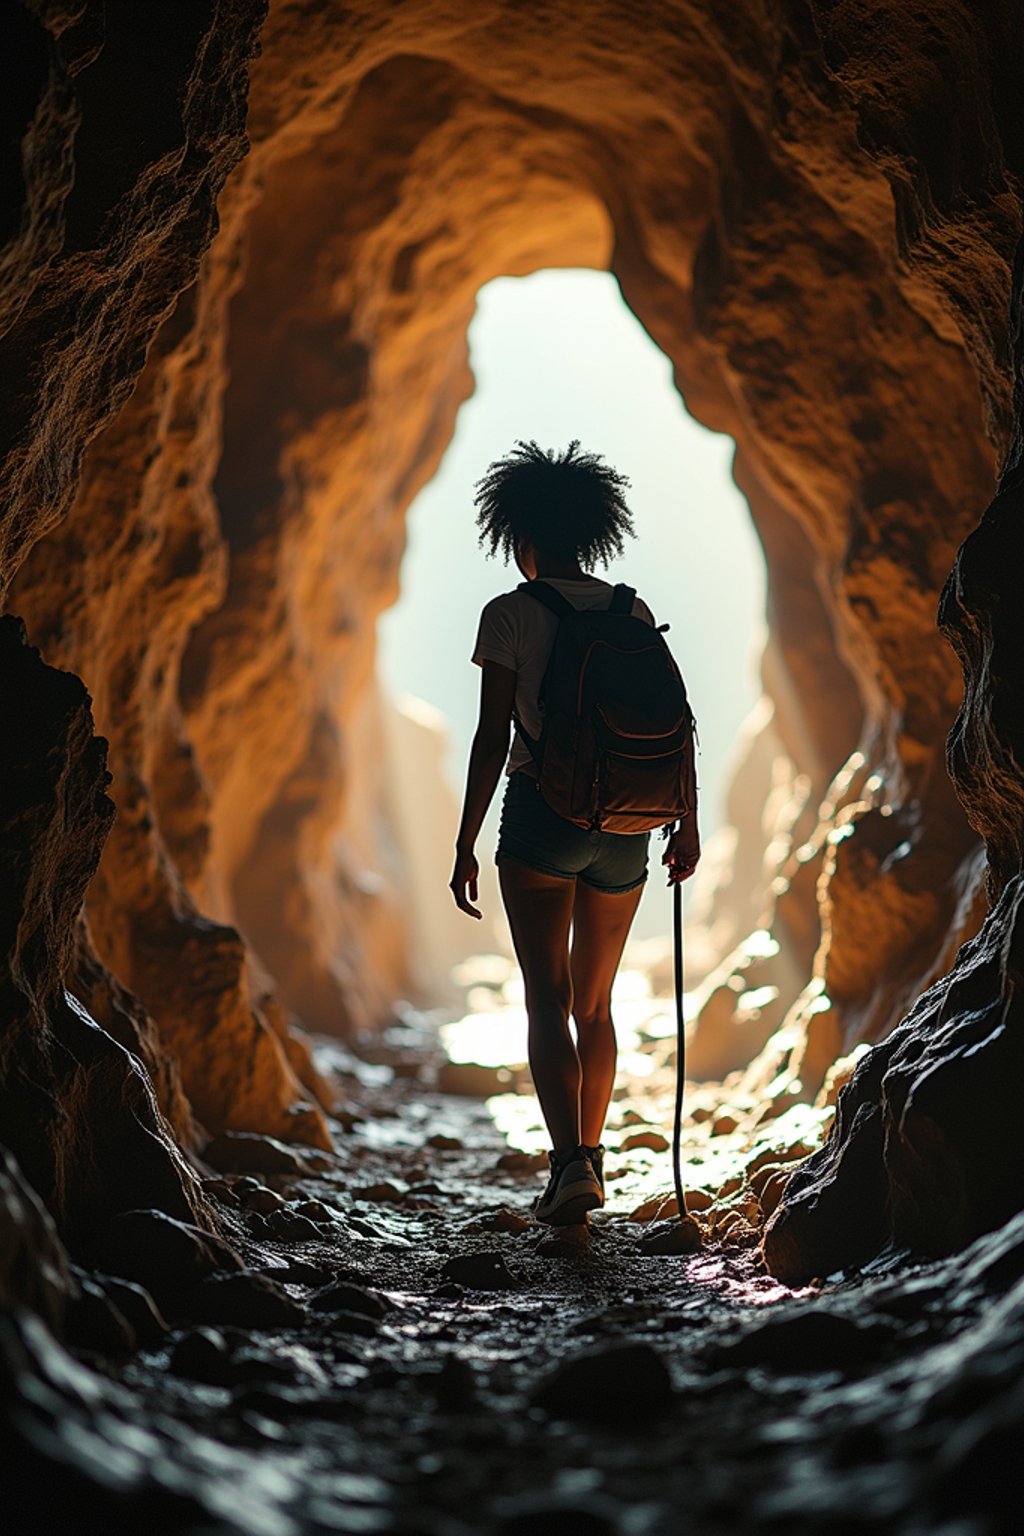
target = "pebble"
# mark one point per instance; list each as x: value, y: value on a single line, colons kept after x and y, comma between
x: 651, y: 1141
x: 291, y: 1227
x: 671, y: 1237
x: 345, y: 1297
x: 501, y: 1220
x: 246, y: 1300
x: 471, y: 1080
x: 161, y: 1253
x: 262, y: 1200
x: 95, y: 1323
x: 480, y: 1272
x: 382, y: 1193
x: 314, y: 1210
x: 202, y: 1355
x: 811, y: 1340
x: 442, y: 1143
x: 245, y: 1151
x: 136, y: 1304
x: 515, y: 1161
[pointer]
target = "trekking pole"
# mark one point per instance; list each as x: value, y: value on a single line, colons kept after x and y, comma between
x: 677, y: 1129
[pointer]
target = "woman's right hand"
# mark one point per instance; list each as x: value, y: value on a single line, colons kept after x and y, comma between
x: 463, y: 884
x: 682, y: 851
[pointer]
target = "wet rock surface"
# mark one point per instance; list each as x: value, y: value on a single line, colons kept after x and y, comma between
x: 430, y: 1365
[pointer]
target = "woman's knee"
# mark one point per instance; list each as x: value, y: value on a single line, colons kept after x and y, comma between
x: 593, y: 1020
x: 550, y: 1002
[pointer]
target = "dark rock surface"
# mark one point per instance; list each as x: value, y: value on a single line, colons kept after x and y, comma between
x: 77, y: 1109
x: 610, y: 1391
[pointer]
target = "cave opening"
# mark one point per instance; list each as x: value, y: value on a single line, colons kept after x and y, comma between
x: 556, y: 355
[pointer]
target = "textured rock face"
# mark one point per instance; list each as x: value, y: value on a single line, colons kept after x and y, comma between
x: 78, y: 1109
x: 812, y: 209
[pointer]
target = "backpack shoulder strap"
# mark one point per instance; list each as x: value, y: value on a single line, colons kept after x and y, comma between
x: 552, y: 600
x: 623, y: 598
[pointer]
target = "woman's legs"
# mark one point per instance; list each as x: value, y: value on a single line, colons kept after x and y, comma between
x: 573, y: 1081
x: 601, y: 924
x: 540, y: 909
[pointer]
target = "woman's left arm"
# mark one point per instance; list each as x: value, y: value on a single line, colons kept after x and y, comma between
x: 486, y: 760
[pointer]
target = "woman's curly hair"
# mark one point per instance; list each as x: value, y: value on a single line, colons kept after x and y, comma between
x: 570, y: 505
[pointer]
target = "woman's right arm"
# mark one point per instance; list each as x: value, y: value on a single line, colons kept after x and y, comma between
x: 486, y: 760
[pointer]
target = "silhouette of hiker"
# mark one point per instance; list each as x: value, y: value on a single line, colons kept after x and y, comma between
x: 556, y: 515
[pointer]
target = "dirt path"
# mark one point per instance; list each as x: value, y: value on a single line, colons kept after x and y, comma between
x: 428, y: 1360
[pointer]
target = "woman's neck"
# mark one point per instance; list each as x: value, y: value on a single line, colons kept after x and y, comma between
x: 561, y: 570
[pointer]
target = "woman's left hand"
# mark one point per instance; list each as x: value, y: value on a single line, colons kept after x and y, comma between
x: 464, y: 880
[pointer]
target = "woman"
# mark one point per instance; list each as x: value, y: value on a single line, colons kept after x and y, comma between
x: 556, y: 515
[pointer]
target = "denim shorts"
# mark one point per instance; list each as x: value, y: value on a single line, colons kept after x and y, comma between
x: 532, y: 833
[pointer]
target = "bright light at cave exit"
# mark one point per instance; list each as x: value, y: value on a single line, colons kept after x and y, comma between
x: 557, y: 356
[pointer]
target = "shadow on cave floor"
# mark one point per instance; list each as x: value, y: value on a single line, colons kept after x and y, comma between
x: 416, y: 1356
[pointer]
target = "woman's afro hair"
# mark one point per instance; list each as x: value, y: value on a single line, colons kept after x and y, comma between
x: 570, y: 505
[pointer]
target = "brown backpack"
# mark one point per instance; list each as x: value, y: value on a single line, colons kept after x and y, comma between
x: 617, y: 749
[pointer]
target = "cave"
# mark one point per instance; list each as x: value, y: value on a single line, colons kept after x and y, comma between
x: 264, y: 1258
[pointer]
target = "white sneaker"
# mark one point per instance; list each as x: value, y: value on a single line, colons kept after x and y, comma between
x: 572, y: 1191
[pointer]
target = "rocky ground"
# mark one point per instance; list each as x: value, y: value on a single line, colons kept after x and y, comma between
x: 402, y: 1350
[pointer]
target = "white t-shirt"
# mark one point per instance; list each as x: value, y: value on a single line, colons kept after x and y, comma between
x: 518, y: 632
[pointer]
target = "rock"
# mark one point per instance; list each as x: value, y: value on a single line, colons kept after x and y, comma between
x: 696, y: 1200
x: 96, y: 1324
x: 359, y: 1324
x: 246, y: 1152
x: 345, y: 1297
x: 671, y: 1237
x: 263, y: 1201
x: 314, y: 1210
x: 202, y: 1355
x: 443, y: 1143
x: 771, y: 1190
x: 164, y: 1255
x: 382, y: 1193
x: 480, y: 1272
x: 287, y: 1225
x: 34, y: 1269
x: 663, y: 1207
x: 501, y: 1220
x: 137, y: 1306
x: 652, y: 1141
x: 809, y: 1341
x: 472, y: 1080
x: 220, y: 1189
x: 619, y: 1383
x: 515, y: 1161
x: 244, y: 1300
x: 78, y: 1109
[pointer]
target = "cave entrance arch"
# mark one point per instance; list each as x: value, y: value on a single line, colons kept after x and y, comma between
x: 557, y: 355
x: 362, y: 305
x: 338, y: 323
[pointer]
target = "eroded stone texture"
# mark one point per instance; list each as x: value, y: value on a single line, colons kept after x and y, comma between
x: 77, y: 1109
x: 812, y: 209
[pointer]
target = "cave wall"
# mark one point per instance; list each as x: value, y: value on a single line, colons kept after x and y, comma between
x: 239, y: 360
